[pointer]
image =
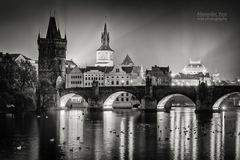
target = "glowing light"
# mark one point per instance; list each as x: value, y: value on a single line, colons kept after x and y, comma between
x: 173, y: 75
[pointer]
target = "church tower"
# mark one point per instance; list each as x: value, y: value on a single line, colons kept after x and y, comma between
x: 52, y: 53
x: 104, y: 55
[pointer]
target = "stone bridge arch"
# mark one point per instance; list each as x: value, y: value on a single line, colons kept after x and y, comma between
x: 220, y: 93
x: 217, y: 103
x: 65, y: 98
x: 164, y: 93
x: 162, y: 103
x: 109, y: 98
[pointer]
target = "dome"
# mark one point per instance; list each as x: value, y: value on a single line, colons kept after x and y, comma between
x: 194, y: 67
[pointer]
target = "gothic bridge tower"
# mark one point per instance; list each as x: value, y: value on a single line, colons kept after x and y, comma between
x: 52, y: 54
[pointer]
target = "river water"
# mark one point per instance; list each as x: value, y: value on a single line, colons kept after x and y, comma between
x: 121, y: 134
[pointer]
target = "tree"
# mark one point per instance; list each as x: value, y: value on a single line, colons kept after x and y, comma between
x: 7, y: 71
x: 44, y: 92
x: 26, y: 75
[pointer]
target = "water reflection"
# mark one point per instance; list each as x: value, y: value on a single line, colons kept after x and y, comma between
x: 121, y: 134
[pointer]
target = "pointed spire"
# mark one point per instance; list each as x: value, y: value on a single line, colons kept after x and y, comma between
x: 105, y: 38
x: 58, y: 33
x: 53, y: 32
x: 105, y: 25
x: 65, y: 37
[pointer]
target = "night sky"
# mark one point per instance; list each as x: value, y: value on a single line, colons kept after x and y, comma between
x: 151, y: 32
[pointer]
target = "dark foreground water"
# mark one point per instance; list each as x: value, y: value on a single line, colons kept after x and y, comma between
x: 120, y: 134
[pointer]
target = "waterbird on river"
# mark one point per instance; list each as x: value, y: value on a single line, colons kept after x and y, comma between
x: 19, y: 147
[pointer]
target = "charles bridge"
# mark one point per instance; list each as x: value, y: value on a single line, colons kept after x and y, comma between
x: 205, y: 98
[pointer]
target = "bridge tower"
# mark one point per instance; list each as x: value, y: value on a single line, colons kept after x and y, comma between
x: 51, y: 61
x: 52, y: 54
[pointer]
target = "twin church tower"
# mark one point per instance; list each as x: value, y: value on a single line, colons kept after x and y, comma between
x: 52, y: 53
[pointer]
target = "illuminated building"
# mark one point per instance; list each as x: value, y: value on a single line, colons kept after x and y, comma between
x: 216, y: 79
x: 194, y: 67
x: 92, y: 73
x: 74, y: 77
x: 192, y: 74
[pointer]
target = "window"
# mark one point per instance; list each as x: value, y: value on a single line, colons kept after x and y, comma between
x: 122, y: 99
x: 112, y: 82
x: 117, y: 70
x: 117, y: 82
x: 122, y: 94
x: 127, y: 82
x: 127, y: 99
x: 117, y: 99
x: 126, y: 94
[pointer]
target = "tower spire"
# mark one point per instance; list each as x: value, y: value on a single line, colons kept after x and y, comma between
x: 105, y: 38
x: 105, y: 25
x: 53, y: 31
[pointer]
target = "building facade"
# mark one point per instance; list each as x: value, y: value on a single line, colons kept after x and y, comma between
x: 52, y: 54
x: 159, y: 75
x: 93, y: 74
x: 74, y: 78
